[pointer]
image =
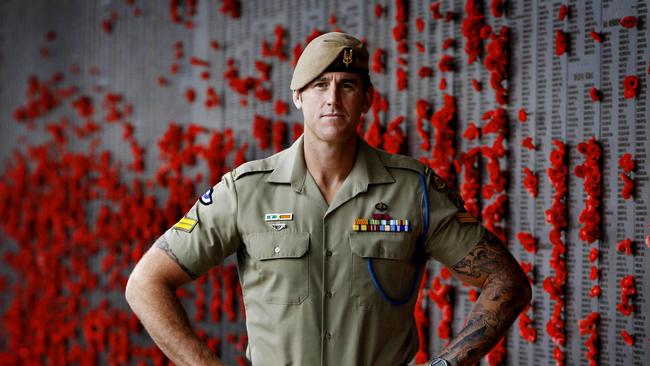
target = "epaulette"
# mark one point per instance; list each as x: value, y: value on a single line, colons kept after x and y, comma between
x: 397, y: 161
x: 255, y: 166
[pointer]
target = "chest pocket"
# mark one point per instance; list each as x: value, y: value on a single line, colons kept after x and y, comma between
x: 392, y: 258
x: 282, y: 264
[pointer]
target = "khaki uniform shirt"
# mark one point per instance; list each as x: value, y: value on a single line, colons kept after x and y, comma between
x: 309, y: 297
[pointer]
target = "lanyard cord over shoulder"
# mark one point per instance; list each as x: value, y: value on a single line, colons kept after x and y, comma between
x: 419, y: 252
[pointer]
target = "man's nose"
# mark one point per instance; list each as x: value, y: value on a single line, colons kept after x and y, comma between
x: 333, y: 94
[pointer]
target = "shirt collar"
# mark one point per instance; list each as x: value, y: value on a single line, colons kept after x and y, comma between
x: 368, y: 167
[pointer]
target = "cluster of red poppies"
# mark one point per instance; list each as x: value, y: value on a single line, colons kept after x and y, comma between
x: 470, y: 185
x: 439, y: 293
x: 373, y: 135
x: 527, y: 330
x: 378, y: 64
x: 394, y: 136
x: 278, y: 48
x: 497, y: 61
x: 530, y: 182
x: 590, y: 172
x: 589, y: 325
x: 127, y: 221
x: 243, y: 86
x: 494, y: 212
x: 420, y: 313
x: 630, y: 86
x: 280, y: 132
x: 181, y: 13
x: 626, y: 162
x: 628, y: 289
x: 443, y: 149
x: 400, y: 32
x: 527, y: 241
x: 556, y: 216
x: 471, y: 28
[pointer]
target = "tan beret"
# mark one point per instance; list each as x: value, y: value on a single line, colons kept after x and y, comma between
x: 334, y: 50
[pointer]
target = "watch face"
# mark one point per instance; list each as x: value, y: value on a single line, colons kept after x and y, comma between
x: 439, y: 362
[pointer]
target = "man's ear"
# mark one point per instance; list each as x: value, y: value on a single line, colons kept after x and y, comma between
x: 297, y: 101
x: 367, y: 99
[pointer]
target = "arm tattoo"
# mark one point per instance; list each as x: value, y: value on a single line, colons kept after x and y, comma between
x: 164, y: 245
x: 505, y: 293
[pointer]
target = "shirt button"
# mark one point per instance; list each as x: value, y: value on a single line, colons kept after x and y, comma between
x: 329, y: 294
x: 277, y: 249
x: 328, y: 336
x: 328, y: 253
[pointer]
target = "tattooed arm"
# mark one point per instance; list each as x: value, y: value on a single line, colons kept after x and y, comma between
x: 505, y: 292
x: 151, y: 293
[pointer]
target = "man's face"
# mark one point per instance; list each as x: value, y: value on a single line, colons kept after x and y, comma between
x: 332, y: 105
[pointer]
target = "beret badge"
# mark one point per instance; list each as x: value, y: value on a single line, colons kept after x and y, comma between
x: 347, y: 57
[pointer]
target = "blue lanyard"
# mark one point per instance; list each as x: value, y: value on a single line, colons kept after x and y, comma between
x: 419, y: 251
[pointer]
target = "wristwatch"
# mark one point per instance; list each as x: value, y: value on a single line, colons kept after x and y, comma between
x: 439, y: 362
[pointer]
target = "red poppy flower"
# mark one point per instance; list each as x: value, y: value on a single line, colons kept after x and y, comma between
x: 378, y: 10
x: 628, y: 22
x: 443, y: 84
x: 522, y: 115
x: 424, y: 72
x: 476, y: 85
x: 631, y: 83
x: 624, y: 246
x: 399, y: 32
x: 595, y: 291
x: 420, y: 47
x: 594, y: 94
x: 593, y: 274
x: 496, y: 7
x: 527, y: 142
x: 562, y: 13
x: 472, y: 132
x: 402, y: 81
x: 596, y: 36
x: 530, y: 181
x: 628, y: 186
x: 402, y: 47
x: 486, y: 31
x: 626, y: 162
x: 419, y: 24
x: 378, y: 61
x: 561, y: 42
x: 627, y: 338
x: 435, y: 10
x: 527, y: 240
x: 593, y: 255
x: 446, y: 63
x: 448, y: 43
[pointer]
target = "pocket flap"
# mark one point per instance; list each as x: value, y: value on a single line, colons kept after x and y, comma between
x: 272, y: 245
x: 386, y: 245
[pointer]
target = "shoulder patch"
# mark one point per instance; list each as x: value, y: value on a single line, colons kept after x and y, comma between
x: 206, y: 199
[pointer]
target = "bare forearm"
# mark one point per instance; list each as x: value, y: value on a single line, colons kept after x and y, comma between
x: 505, y: 292
x: 486, y: 324
x: 163, y: 316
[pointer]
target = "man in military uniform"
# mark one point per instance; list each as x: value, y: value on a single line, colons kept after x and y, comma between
x: 331, y: 238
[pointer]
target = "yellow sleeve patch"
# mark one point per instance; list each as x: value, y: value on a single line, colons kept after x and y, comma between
x: 185, y: 224
x: 465, y: 218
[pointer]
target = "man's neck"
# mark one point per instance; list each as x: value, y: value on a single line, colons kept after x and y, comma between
x: 329, y: 164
